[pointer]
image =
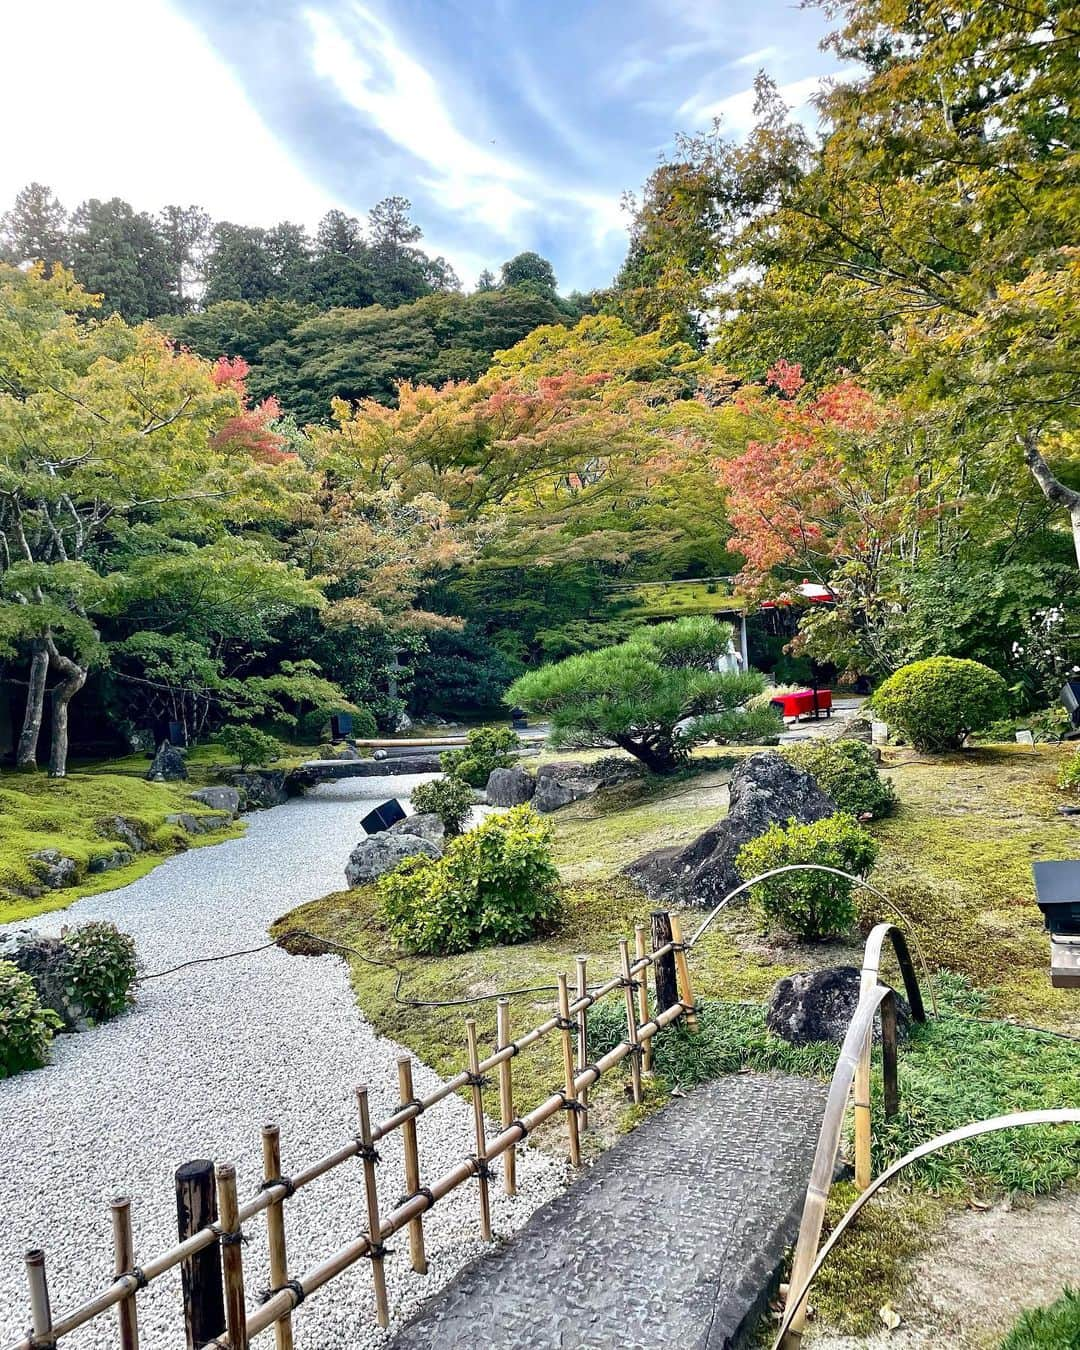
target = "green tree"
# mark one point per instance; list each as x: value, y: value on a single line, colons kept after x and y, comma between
x: 35, y: 228
x: 185, y: 231
x: 119, y: 254
x: 529, y: 269
x: 654, y: 696
x: 239, y: 265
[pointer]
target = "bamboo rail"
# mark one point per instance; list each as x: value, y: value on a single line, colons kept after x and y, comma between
x: 285, y: 1293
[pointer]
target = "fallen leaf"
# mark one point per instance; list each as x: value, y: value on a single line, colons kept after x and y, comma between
x: 889, y: 1316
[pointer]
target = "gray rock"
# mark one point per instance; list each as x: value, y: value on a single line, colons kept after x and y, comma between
x: 260, y: 788
x: 424, y: 825
x: 219, y: 799
x: 54, y: 869
x: 765, y: 790
x: 818, y: 1005
x: 509, y: 787
x: 109, y: 862
x: 129, y: 832
x: 382, y: 852
x: 168, y: 765
x: 568, y: 781
x: 46, y: 960
x: 857, y: 729
x: 404, y: 722
x: 193, y: 824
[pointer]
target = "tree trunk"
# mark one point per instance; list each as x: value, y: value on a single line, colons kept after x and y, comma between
x: 26, y: 754
x: 1054, y: 490
x: 74, y: 677
x: 655, y: 760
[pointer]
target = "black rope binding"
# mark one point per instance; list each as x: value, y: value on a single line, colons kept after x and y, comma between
x: 483, y: 1170
x: 137, y: 1274
x: 236, y: 1239
x: 420, y: 1190
x: 565, y: 1023
x: 414, y: 1101
x: 591, y: 1065
x: 521, y: 1126
x: 368, y: 1152
x: 293, y: 1287
x: 569, y: 1103
x: 377, y: 1251
x: 628, y: 982
x: 476, y: 1080
x: 287, y: 1182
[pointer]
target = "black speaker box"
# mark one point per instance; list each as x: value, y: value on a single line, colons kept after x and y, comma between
x: 384, y: 815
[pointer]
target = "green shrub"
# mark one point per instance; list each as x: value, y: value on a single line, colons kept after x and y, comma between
x: 496, y: 884
x: 811, y: 904
x: 449, y: 798
x: 847, y: 772
x: 103, y: 968
x: 1069, y: 777
x: 487, y: 748
x: 26, y: 1028
x: 937, y: 702
x: 249, y: 746
x: 315, y: 726
x: 1054, y: 1328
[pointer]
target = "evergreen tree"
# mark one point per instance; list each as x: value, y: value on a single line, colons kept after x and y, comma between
x: 118, y: 253
x: 35, y: 229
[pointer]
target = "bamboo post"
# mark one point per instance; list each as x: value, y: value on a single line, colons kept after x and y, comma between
x: 232, y: 1257
x: 412, y: 1164
x: 506, y: 1096
x: 481, y: 1134
x: 41, y: 1321
x: 275, y: 1231
x: 369, y: 1156
x: 667, y: 989
x: 631, y: 1023
x: 582, y: 1039
x: 123, y: 1263
x: 862, y: 1095
x: 682, y: 971
x: 569, y: 1072
x: 643, y: 996
x: 204, y: 1296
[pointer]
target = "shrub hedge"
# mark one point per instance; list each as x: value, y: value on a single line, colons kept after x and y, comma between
x: 936, y: 703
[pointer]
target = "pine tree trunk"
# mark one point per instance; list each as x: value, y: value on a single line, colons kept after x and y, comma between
x: 654, y: 760
x: 73, y: 681
x: 26, y: 753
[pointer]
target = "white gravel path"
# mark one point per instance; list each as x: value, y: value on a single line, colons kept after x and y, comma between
x: 203, y: 1061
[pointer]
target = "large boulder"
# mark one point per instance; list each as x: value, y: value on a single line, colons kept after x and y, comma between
x: 47, y: 961
x: 219, y: 798
x: 568, y: 781
x: 382, y: 852
x: 260, y: 788
x: 192, y: 824
x: 818, y: 1005
x: 129, y: 832
x: 54, y: 869
x: 509, y: 787
x: 168, y: 765
x: 424, y: 825
x: 109, y: 862
x: 765, y: 790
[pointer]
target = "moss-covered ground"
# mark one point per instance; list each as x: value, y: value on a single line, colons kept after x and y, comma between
x: 956, y: 860
x: 71, y: 815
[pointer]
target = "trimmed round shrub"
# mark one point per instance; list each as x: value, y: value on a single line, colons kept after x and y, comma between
x: 102, y: 968
x: 810, y: 904
x: 496, y: 884
x: 847, y: 772
x: 26, y: 1028
x: 486, y: 748
x: 449, y: 798
x: 938, y: 702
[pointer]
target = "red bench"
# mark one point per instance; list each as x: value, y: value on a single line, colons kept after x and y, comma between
x: 804, y: 702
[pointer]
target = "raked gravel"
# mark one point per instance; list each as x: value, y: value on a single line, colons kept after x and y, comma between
x: 205, y: 1059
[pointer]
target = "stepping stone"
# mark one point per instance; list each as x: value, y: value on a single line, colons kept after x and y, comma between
x: 675, y: 1236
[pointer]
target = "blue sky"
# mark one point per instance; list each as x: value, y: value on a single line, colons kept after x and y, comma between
x: 510, y: 124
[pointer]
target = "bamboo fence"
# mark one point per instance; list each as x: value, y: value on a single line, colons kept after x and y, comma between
x: 216, y: 1311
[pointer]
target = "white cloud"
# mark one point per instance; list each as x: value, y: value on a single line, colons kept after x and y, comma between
x: 125, y: 98
x: 370, y: 70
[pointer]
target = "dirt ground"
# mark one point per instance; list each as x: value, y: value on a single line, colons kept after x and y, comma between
x: 983, y: 1269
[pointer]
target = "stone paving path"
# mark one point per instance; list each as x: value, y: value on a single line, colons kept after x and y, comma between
x: 672, y: 1238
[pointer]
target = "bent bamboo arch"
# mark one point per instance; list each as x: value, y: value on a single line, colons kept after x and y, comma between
x: 789, y: 1334
x: 853, y: 1067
